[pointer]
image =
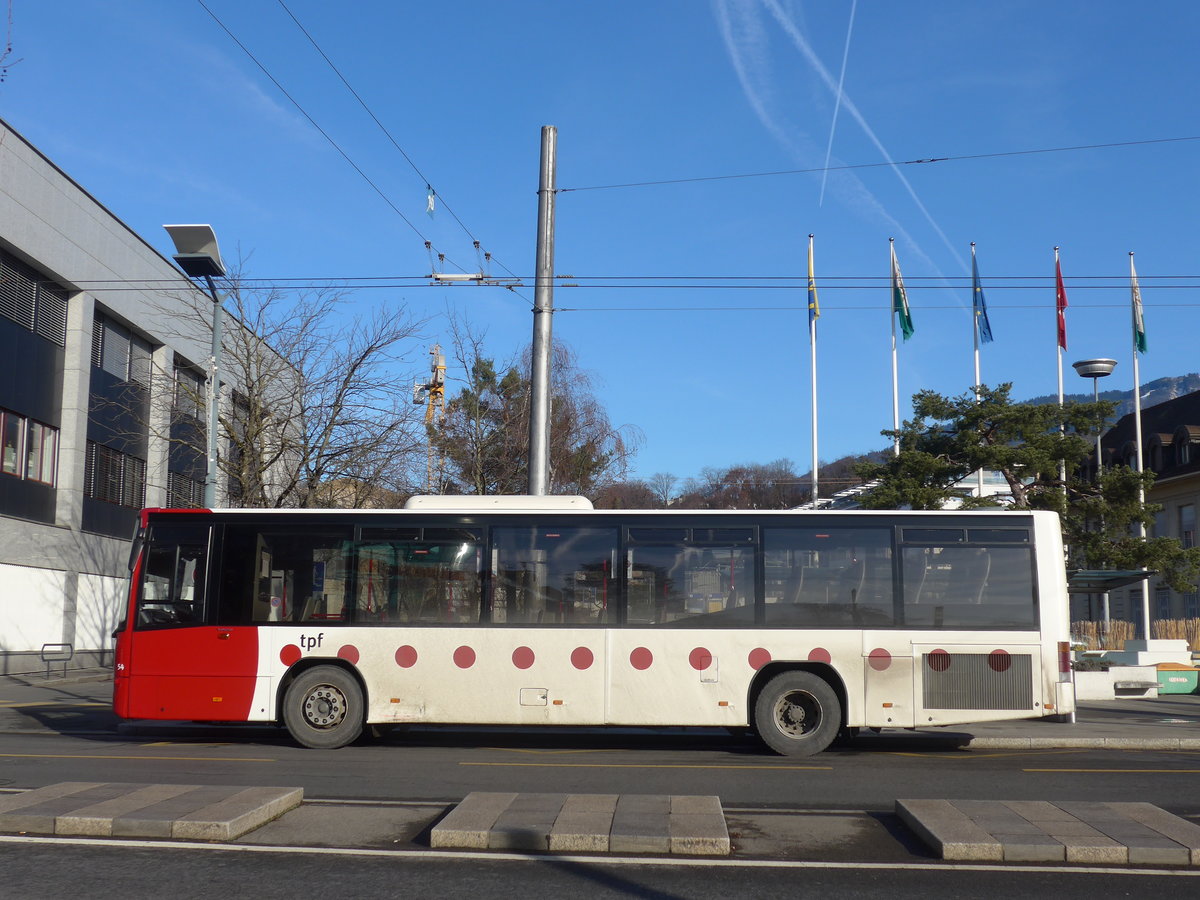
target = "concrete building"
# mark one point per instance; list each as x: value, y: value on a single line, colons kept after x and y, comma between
x: 105, y: 346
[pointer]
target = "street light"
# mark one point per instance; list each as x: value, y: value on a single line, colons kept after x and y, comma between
x: 199, y: 257
x: 1095, y: 369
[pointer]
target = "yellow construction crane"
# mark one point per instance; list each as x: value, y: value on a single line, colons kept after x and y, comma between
x: 432, y: 393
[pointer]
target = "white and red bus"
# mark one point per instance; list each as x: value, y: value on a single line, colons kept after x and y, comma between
x: 542, y: 611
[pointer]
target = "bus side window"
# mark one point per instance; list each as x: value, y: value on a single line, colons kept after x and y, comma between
x: 552, y: 575
x: 173, y: 579
x: 829, y: 576
x: 285, y: 575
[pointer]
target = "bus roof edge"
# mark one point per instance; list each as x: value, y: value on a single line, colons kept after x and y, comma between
x: 497, y: 502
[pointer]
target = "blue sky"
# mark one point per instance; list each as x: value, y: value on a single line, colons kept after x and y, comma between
x: 158, y: 113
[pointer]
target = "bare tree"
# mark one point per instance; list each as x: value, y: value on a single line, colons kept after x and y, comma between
x: 316, y: 417
x: 662, y: 484
x: 485, y: 438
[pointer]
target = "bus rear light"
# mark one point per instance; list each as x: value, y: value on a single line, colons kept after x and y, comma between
x: 1064, y: 657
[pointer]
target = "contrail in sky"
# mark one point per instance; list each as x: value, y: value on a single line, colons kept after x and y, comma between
x: 838, y: 102
x: 747, y: 43
x: 806, y: 50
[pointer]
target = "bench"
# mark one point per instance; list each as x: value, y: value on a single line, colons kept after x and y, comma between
x: 54, y: 653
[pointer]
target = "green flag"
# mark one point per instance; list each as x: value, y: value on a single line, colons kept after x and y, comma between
x: 1139, y: 323
x: 900, y: 298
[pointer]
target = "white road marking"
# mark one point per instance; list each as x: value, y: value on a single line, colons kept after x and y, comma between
x: 633, y: 861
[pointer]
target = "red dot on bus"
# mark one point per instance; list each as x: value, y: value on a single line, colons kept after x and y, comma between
x: 999, y: 660
x: 700, y: 659
x: 581, y: 658
x: 879, y: 659
x: 290, y: 654
x: 349, y: 653
x: 939, y: 660
x: 758, y: 658
x: 522, y: 657
x: 819, y: 654
x: 641, y: 658
x: 406, y: 657
x: 464, y: 657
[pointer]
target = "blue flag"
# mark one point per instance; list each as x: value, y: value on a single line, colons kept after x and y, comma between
x: 981, y: 316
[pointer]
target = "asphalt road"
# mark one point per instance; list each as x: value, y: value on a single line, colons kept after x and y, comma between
x: 53, y: 871
x: 814, y: 827
x: 68, y: 733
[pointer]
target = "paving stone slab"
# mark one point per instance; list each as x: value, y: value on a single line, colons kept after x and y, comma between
x: 240, y: 812
x: 468, y: 824
x: 1183, y: 832
x: 97, y: 820
x: 1031, y: 847
x: 1040, y: 831
x: 949, y: 831
x: 581, y: 832
x: 594, y: 823
x: 144, y: 810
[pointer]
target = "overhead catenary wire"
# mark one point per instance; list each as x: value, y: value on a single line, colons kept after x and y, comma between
x: 877, y: 165
x: 336, y: 146
x: 388, y: 134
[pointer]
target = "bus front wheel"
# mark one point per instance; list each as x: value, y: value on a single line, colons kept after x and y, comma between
x: 323, y: 708
x: 797, y: 714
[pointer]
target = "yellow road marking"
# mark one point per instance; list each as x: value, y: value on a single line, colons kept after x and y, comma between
x: 1120, y: 771
x: 542, y: 752
x: 976, y: 754
x: 639, y: 766
x: 138, y: 758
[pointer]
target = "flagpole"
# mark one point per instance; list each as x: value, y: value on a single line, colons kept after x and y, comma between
x: 813, y: 313
x: 1058, y: 342
x: 1135, y: 304
x: 895, y: 368
x: 975, y: 338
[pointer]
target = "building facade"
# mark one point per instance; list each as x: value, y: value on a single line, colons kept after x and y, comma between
x: 1171, y: 449
x: 105, y: 345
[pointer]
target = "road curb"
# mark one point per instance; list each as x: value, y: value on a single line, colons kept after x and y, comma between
x: 1085, y: 743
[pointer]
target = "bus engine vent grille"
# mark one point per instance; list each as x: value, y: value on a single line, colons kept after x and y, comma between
x: 996, y: 680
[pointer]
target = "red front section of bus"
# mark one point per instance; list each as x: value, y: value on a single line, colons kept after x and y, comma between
x: 199, y: 672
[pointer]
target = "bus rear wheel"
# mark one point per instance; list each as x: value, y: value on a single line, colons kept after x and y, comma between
x: 323, y: 708
x: 797, y: 714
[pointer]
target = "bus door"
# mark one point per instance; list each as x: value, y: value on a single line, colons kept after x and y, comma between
x: 181, y: 666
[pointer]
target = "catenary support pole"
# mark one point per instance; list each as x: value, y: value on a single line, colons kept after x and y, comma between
x: 543, y: 311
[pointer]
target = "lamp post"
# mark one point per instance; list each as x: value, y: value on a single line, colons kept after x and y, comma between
x: 1095, y: 369
x: 199, y: 257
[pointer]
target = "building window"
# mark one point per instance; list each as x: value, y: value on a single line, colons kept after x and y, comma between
x: 30, y: 448
x: 1162, y: 601
x: 1191, y: 605
x: 120, y: 352
x: 114, y: 477
x: 1187, y: 525
x: 1158, y: 528
x: 189, y: 393
x: 30, y: 300
x: 184, y: 492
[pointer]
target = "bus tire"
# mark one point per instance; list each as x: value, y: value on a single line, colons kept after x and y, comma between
x: 323, y: 708
x: 797, y: 714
